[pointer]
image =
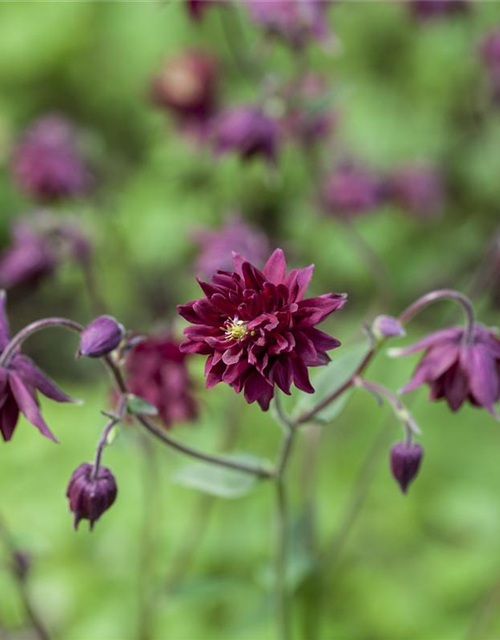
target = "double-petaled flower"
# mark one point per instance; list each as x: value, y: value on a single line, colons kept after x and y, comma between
x: 457, y: 370
x: 20, y: 380
x: 258, y: 330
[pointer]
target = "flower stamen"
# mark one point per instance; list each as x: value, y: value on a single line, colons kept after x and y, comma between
x: 236, y: 329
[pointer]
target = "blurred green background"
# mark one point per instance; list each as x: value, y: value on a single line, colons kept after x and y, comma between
x: 421, y: 567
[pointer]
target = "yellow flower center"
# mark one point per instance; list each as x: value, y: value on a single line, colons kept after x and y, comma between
x: 236, y: 329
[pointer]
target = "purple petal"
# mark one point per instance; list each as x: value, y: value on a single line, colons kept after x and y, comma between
x: 4, y: 324
x: 255, y: 386
x: 275, y: 267
x: 297, y: 282
x: 313, y: 310
x: 456, y: 388
x: 481, y: 370
x: 37, y: 379
x: 432, y: 366
x: 453, y: 335
x: 9, y: 415
x: 301, y: 376
x: 27, y: 403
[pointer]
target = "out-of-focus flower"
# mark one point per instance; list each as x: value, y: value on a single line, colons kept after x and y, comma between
x: 350, y: 191
x: 157, y: 372
x: 489, y: 51
x: 90, y: 496
x: 217, y: 245
x: 39, y: 244
x: 298, y: 22
x: 197, y: 8
x: 417, y: 189
x: 405, y: 460
x: 307, y: 119
x: 20, y: 380
x: 387, y: 327
x: 246, y: 131
x: 186, y: 85
x: 47, y: 164
x: 457, y: 371
x: 257, y: 329
x: 430, y: 9
x: 100, y: 337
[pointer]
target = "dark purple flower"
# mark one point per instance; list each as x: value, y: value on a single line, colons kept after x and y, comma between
x: 246, y: 131
x: 217, y: 246
x: 157, y: 372
x: 20, y: 380
x: 430, y: 9
x: 350, y: 191
x: 457, y: 371
x: 46, y: 163
x: 197, y: 8
x: 405, y: 462
x: 417, y: 189
x: 295, y: 21
x: 186, y: 85
x: 100, y: 337
x: 89, y: 496
x: 257, y: 329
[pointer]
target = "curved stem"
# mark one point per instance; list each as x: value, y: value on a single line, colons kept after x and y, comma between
x: 162, y: 435
x: 103, y: 440
x: 443, y: 294
x: 33, y: 328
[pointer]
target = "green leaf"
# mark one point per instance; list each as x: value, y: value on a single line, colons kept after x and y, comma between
x: 138, y: 406
x: 329, y: 378
x: 219, y: 481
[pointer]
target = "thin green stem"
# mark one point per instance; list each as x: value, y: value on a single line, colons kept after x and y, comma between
x: 282, y: 560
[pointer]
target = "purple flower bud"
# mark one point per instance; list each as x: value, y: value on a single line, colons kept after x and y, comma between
x: 100, y: 337
x: 186, y: 85
x: 247, y: 131
x: 46, y: 163
x: 405, y: 462
x: 90, y: 497
x: 387, y: 327
x: 350, y: 191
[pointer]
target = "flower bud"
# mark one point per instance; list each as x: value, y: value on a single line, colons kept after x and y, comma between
x: 405, y: 462
x: 387, y: 327
x: 100, y: 337
x: 90, y: 497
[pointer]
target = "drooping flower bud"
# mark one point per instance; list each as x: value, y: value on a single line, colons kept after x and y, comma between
x: 387, y: 327
x: 100, y: 337
x: 405, y: 462
x: 90, y: 497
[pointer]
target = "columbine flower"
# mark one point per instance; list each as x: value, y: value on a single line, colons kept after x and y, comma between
x: 157, y: 372
x: 405, y: 460
x: 430, y: 9
x: 350, y: 191
x: 186, y: 85
x: 457, y: 371
x: 100, y: 337
x: 46, y: 163
x: 247, y: 131
x: 257, y: 329
x: 89, y: 496
x: 295, y: 21
x: 20, y: 380
x: 417, y: 189
x: 217, y: 246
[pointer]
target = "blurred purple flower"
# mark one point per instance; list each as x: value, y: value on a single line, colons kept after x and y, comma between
x: 196, y: 8
x: 246, y: 131
x: 186, y: 85
x: 456, y: 371
x: 20, y: 380
x: 489, y: 51
x: 218, y: 245
x: 46, y: 163
x: 157, y: 372
x: 430, y: 9
x: 350, y: 191
x: 257, y: 329
x: 89, y: 496
x: 405, y: 460
x: 295, y: 21
x: 417, y: 189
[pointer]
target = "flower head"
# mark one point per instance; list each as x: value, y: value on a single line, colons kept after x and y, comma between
x: 295, y: 21
x: 186, y: 85
x: 46, y: 163
x: 417, y: 189
x: 20, y: 380
x: 100, y: 337
x: 246, y: 131
x: 457, y: 371
x: 405, y: 460
x: 350, y: 191
x: 217, y: 246
x: 258, y: 330
x: 156, y: 371
x: 90, y: 495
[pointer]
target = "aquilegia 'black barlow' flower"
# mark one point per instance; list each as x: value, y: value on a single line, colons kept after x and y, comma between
x: 90, y: 495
